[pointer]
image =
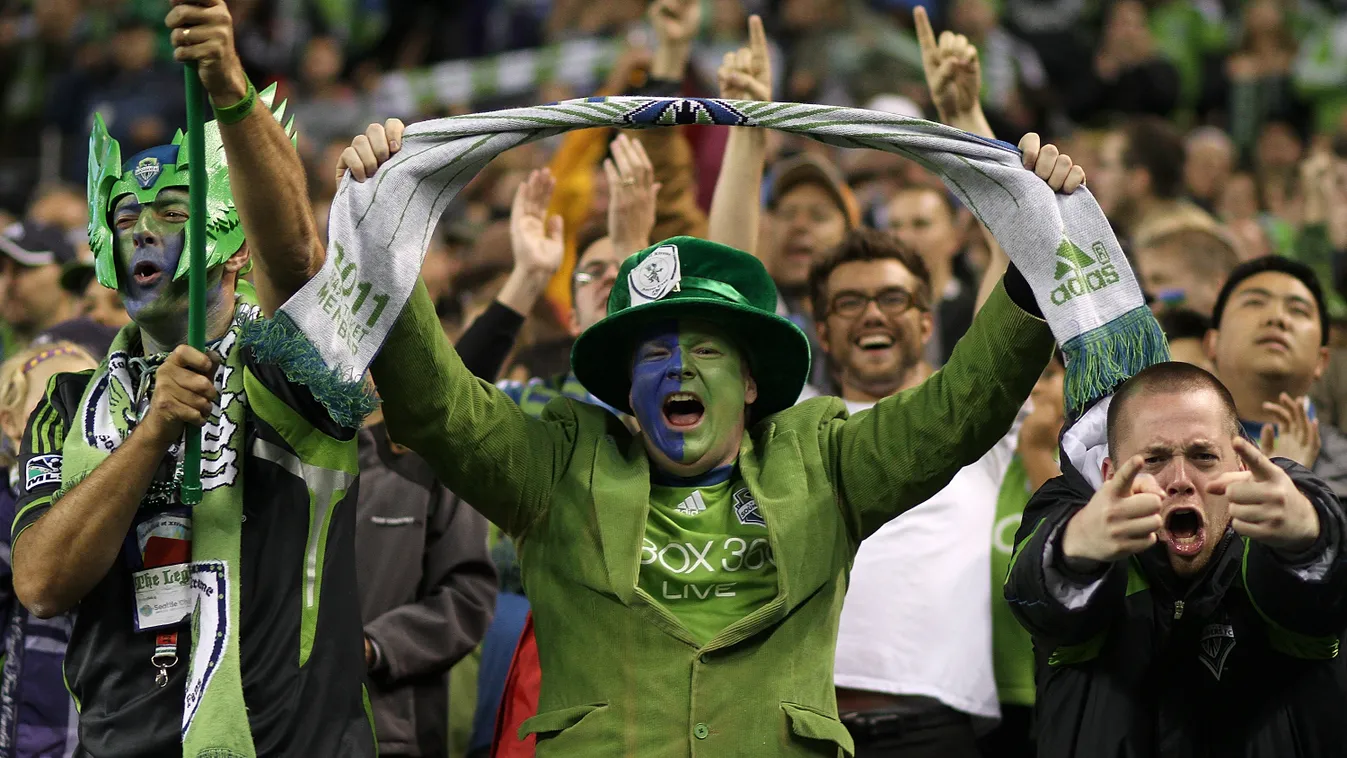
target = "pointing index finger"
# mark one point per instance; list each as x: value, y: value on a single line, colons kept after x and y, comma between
x: 1127, y: 474
x: 925, y: 36
x: 1262, y: 467
x: 757, y: 38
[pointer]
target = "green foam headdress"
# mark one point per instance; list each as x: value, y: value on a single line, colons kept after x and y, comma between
x: 150, y: 171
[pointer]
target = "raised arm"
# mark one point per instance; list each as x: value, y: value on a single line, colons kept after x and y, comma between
x: 675, y: 23
x: 954, y: 77
x: 735, y: 207
x: 265, y: 172
x: 480, y: 445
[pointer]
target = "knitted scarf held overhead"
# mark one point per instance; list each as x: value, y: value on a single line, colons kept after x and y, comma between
x: 379, y: 230
x: 215, y: 719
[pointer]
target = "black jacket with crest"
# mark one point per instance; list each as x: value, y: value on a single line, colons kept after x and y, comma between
x: 1242, y: 661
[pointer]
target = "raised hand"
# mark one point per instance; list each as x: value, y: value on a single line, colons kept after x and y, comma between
x: 536, y: 239
x: 675, y: 23
x: 632, y: 190
x: 1265, y: 504
x: 953, y: 71
x: 370, y: 150
x: 1057, y: 169
x: 1121, y: 520
x: 1294, y: 436
x: 183, y: 394
x: 203, y: 33
x: 746, y: 74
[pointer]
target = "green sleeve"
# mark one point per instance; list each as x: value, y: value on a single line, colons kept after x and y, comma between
x: 908, y: 447
x: 480, y: 444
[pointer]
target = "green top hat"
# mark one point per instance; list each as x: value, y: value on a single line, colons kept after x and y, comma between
x: 690, y: 278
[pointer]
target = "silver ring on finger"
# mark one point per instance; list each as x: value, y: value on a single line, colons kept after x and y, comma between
x: 186, y: 33
x: 628, y: 182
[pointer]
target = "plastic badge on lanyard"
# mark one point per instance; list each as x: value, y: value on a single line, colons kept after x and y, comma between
x: 164, y: 596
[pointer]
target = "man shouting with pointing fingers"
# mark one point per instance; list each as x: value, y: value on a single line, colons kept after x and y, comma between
x: 1192, y: 605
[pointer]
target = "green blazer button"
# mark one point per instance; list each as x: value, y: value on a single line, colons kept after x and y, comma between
x: 705, y: 658
x: 701, y: 731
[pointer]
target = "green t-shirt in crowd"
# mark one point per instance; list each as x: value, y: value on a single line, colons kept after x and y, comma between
x: 706, y: 557
x: 1012, y: 647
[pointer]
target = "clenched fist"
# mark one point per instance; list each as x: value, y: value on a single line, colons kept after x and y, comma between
x: 184, y: 393
x: 203, y: 33
x: 1121, y: 520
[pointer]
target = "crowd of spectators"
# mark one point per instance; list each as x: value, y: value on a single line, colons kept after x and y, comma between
x: 1212, y: 133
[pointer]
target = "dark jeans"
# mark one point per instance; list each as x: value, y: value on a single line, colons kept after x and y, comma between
x: 937, y: 733
x: 1013, y: 737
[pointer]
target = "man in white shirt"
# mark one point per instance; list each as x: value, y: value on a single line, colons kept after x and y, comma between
x: 914, y: 668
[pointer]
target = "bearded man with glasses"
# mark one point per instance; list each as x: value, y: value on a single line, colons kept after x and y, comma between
x: 914, y: 668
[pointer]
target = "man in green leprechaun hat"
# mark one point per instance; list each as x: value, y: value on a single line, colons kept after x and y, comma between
x: 686, y: 580
x: 229, y: 628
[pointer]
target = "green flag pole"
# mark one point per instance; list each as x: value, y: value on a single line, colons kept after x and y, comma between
x: 196, y: 273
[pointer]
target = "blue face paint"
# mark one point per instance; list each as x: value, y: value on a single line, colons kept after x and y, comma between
x: 657, y: 372
x: 155, y: 236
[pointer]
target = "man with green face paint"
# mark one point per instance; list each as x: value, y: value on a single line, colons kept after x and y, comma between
x: 198, y: 631
x: 686, y: 580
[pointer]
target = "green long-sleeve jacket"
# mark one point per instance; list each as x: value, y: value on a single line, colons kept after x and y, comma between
x: 621, y: 676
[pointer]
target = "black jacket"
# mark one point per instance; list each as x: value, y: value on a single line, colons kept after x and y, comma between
x: 1241, y: 663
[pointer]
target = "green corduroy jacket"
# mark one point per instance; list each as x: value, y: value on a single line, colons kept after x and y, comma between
x: 621, y: 675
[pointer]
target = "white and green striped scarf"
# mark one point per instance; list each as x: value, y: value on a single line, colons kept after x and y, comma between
x: 379, y: 230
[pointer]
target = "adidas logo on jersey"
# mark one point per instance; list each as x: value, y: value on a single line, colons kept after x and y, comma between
x: 692, y: 505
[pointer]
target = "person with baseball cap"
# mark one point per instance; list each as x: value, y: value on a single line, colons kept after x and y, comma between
x: 812, y: 208
x: 31, y: 296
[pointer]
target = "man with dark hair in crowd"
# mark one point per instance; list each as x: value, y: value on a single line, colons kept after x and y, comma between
x: 1269, y: 344
x: 1140, y: 173
x: 1186, y: 331
x: 31, y: 297
x: 1192, y: 604
x: 913, y: 670
x: 924, y: 219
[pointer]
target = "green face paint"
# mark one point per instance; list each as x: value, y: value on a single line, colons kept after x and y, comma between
x: 149, y: 239
x: 149, y: 172
x: 688, y: 392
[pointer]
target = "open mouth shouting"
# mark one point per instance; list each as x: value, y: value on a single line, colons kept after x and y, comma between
x: 146, y: 273
x: 1184, y: 531
x: 683, y: 411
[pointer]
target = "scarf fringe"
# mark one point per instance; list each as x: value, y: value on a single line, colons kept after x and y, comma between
x: 1101, y: 359
x: 278, y: 341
